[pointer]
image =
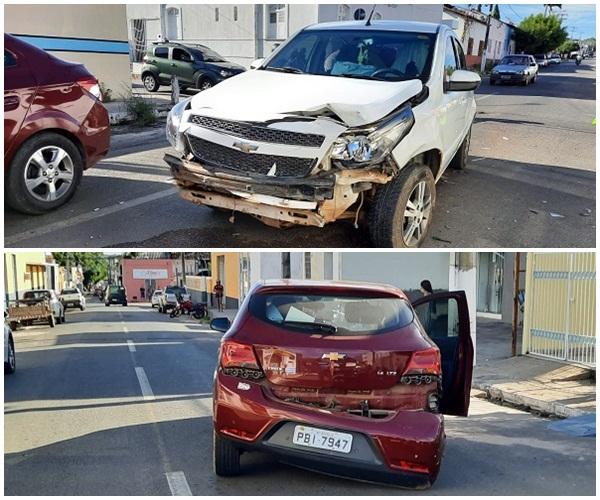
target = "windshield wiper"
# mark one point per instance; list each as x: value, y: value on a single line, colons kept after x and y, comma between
x: 323, y: 327
x: 285, y: 69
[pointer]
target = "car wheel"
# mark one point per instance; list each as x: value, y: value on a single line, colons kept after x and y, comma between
x: 11, y: 365
x: 461, y: 157
x: 226, y: 457
x: 534, y: 79
x: 401, y: 211
x: 204, y: 83
x: 64, y: 318
x: 106, y: 304
x: 51, y: 321
x: 150, y: 82
x: 43, y: 174
x: 124, y: 304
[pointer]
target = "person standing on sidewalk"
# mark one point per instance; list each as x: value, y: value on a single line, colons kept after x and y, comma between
x: 218, y: 292
x: 426, y: 288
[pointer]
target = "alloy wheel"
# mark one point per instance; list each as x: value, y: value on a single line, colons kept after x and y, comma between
x: 417, y: 214
x: 11, y: 356
x: 206, y: 84
x: 49, y: 173
x: 149, y: 82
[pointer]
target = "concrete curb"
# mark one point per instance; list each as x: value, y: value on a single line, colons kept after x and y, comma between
x: 493, y: 392
x: 132, y: 139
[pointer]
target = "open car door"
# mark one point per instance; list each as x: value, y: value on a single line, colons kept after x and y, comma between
x: 445, y: 318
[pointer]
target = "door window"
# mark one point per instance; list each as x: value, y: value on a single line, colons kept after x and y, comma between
x: 161, y: 52
x: 462, y: 63
x: 450, y: 63
x: 439, y: 318
x: 9, y: 59
x: 181, y: 55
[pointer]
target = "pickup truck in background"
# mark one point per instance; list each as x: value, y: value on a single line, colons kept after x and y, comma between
x: 72, y: 297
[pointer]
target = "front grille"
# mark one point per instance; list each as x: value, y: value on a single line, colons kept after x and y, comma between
x: 222, y: 156
x: 258, y: 132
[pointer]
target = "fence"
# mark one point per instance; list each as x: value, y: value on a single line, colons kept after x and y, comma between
x: 560, y: 307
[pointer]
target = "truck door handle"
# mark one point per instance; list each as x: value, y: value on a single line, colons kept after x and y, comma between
x: 11, y: 102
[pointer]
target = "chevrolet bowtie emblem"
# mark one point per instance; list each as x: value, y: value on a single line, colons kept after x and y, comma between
x: 246, y: 147
x: 333, y: 356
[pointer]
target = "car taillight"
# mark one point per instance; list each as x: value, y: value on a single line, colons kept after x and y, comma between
x: 239, y: 360
x: 91, y: 85
x: 423, y: 367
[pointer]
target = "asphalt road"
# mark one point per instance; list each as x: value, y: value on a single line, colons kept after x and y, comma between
x: 117, y: 401
x: 530, y: 183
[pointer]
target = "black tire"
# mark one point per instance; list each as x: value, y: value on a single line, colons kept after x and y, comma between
x: 15, y: 191
x: 226, y: 457
x: 150, y: 81
x: 51, y: 321
x: 204, y: 83
x: 461, y: 157
x: 107, y: 304
x: 386, y: 211
x: 533, y: 80
x: 11, y: 365
x: 124, y: 304
x: 82, y: 308
x: 64, y: 318
x: 59, y: 320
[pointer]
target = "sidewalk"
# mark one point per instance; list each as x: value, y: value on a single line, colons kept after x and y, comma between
x: 542, y: 385
x: 228, y: 313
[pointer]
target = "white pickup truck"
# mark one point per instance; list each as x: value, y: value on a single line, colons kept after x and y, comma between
x: 345, y: 120
x: 72, y: 297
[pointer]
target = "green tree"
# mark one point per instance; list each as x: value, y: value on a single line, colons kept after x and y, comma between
x: 94, y: 264
x: 540, y: 34
x: 567, y: 47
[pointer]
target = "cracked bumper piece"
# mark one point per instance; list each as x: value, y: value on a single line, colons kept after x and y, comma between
x: 306, y: 201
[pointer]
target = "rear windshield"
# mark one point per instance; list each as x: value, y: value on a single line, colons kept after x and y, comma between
x: 115, y: 289
x: 41, y: 294
x: 69, y: 290
x: 177, y: 290
x: 332, y: 314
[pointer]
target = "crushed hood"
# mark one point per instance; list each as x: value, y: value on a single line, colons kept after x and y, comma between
x: 260, y: 95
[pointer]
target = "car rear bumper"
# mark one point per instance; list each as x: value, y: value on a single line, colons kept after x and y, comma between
x: 403, y: 450
x: 74, y: 303
x: 509, y: 78
x: 95, y: 134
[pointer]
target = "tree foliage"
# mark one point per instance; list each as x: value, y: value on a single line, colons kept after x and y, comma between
x: 94, y: 264
x: 539, y: 34
x: 567, y: 47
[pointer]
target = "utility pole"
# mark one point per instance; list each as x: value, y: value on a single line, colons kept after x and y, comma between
x: 183, y: 277
x: 515, y: 318
x: 487, y: 36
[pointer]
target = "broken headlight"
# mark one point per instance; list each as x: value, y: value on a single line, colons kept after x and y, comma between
x: 173, y: 123
x: 364, y: 145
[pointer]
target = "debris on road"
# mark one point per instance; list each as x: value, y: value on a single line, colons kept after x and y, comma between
x: 556, y: 216
x: 586, y: 212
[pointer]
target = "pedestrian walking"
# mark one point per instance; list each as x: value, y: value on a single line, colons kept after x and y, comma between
x: 426, y: 288
x: 218, y: 293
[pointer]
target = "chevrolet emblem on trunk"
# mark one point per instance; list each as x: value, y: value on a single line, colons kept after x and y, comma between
x: 333, y: 356
x: 246, y: 147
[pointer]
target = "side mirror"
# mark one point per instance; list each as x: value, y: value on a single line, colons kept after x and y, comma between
x: 532, y: 64
x: 463, y: 81
x: 220, y: 324
x: 257, y: 63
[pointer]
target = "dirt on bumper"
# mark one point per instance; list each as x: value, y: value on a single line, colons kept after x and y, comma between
x: 310, y: 201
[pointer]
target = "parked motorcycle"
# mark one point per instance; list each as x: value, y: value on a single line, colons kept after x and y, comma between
x: 198, y: 311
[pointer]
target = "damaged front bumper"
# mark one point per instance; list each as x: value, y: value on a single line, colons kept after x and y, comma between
x: 309, y: 201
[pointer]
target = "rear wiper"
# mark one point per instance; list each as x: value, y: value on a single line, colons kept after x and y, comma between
x: 323, y: 327
x: 285, y: 69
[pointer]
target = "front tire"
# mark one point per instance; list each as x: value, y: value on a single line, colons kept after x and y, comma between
x: 204, y: 83
x: 43, y: 174
x: 51, y: 321
x: 461, y: 157
x: 400, y: 212
x: 226, y: 457
x: 11, y: 365
x: 150, y: 82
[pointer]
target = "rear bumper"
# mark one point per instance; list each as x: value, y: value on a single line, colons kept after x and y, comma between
x: 509, y: 78
x: 71, y: 303
x: 95, y: 134
x: 404, y: 450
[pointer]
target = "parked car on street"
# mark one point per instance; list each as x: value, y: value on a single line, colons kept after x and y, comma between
x: 171, y: 297
x: 72, y: 297
x: 542, y: 60
x: 345, y: 120
x: 55, y: 127
x: 341, y: 378
x: 49, y: 297
x: 155, y: 300
x: 194, y: 66
x: 554, y: 59
x: 10, y: 358
x: 115, y: 294
x: 517, y: 68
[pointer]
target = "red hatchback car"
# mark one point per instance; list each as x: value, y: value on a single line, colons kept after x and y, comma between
x: 347, y: 379
x: 55, y: 126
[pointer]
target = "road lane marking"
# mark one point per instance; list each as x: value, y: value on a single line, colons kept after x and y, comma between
x: 178, y: 484
x: 131, y: 346
x: 86, y: 217
x: 144, y: 384
x: 481, y: 98
x: 125, y: 329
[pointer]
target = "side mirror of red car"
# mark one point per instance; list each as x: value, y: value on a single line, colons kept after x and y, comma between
x: 220, y: 324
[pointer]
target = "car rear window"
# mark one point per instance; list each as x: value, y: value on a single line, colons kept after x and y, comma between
x: 177, y: 290
x: 70, y: 290
x: 115, y: 289
x: 332, y: 314
x: 43, y: 294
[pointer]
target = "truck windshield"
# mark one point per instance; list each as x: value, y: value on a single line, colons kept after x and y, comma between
x: 332, y: 314
x: 366, y: 54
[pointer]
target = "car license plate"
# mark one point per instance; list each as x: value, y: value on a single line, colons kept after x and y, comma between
x: 505, y: 77
x: 322, y: 439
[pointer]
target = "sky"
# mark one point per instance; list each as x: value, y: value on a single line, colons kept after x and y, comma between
x: 580, y: 19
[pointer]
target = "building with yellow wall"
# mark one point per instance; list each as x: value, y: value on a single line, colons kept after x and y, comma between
x: 27, y: 271
x: 225, y: 267
x: 95, y: 35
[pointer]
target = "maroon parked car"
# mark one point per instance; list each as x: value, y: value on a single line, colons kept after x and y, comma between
x: 55, y: 126
x: 346, y: 379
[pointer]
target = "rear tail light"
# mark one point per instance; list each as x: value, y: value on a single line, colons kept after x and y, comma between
x: 239, y: 360
x: 90, y: 84
x: 424, y: 367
